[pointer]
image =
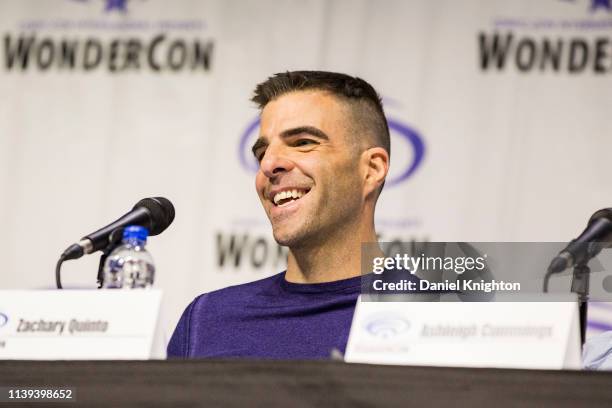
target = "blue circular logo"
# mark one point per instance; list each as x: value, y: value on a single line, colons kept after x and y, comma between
x: 386, y: 326
x: 3, y: 319
x: 402, y: 132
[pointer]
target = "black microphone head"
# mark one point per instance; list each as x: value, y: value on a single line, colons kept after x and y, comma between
x: 600, y: 228
x: 603, y: 213
x: 161, y: 210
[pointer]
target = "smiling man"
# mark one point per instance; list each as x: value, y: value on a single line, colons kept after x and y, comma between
x: 323, y: 153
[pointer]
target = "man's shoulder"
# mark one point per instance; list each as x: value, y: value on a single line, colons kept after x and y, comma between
x: 242, y: 292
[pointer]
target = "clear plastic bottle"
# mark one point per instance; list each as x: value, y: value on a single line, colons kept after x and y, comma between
x: 130, y: 265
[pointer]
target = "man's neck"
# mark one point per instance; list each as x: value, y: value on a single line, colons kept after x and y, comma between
x: 334, y: 259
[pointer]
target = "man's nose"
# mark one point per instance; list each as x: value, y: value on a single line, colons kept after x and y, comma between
x: 275, y: 161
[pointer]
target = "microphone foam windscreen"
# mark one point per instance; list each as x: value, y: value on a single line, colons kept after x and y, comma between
x: 603, y: 213
x: 162, y: 213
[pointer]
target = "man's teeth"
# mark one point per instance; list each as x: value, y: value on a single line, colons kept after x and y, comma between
x: 292, y: 194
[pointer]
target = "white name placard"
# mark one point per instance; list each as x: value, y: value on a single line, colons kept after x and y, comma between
x: 537, y: 335
x: 78, y: 324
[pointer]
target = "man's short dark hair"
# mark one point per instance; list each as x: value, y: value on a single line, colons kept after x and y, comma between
x: 366, y: 104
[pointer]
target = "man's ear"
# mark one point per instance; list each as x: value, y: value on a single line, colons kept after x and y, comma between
x: 376, y: 163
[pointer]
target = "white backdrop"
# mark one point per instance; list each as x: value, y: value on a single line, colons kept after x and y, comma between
x: 517, y: 153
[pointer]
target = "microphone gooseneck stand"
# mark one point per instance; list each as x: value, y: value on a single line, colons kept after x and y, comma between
x: 580, y: 286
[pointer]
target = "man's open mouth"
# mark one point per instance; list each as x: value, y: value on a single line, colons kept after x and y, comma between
x: 285, y: 197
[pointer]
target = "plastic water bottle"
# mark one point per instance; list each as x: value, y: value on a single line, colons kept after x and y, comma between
x: 130, y: 265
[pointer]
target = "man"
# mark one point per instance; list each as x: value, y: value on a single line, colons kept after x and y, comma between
x: 323, y: 153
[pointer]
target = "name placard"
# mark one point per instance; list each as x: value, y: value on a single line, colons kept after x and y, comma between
x: 536, y: 335
x: 78, y: 324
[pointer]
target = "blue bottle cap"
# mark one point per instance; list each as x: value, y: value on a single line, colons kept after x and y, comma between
x: 136, y: 231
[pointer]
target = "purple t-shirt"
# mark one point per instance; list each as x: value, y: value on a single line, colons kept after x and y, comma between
x: 268, y: 318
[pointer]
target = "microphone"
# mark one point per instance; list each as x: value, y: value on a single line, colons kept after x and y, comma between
x: 596, y: 236
x: 155, y: 214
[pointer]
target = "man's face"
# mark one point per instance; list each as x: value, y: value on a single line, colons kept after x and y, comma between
x: 309, y: 180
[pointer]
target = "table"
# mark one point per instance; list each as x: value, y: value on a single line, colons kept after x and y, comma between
x: 246, y: 383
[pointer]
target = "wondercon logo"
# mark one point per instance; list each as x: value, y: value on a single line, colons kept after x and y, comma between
x: 403, y: 139
x: 386, y: 326
x: 3, y: 320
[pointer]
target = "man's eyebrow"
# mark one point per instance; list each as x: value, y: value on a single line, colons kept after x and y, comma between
x: 311, y: 130
x: 259, y: 143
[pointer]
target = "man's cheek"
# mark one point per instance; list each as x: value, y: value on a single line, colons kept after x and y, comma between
x: 259, y: 184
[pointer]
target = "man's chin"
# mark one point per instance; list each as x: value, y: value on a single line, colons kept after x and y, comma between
x: 284, y: 240
x: 288, y: 238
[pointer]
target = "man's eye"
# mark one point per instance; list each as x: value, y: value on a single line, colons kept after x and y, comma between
x: 304, y: 142
x: 259, y: 155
